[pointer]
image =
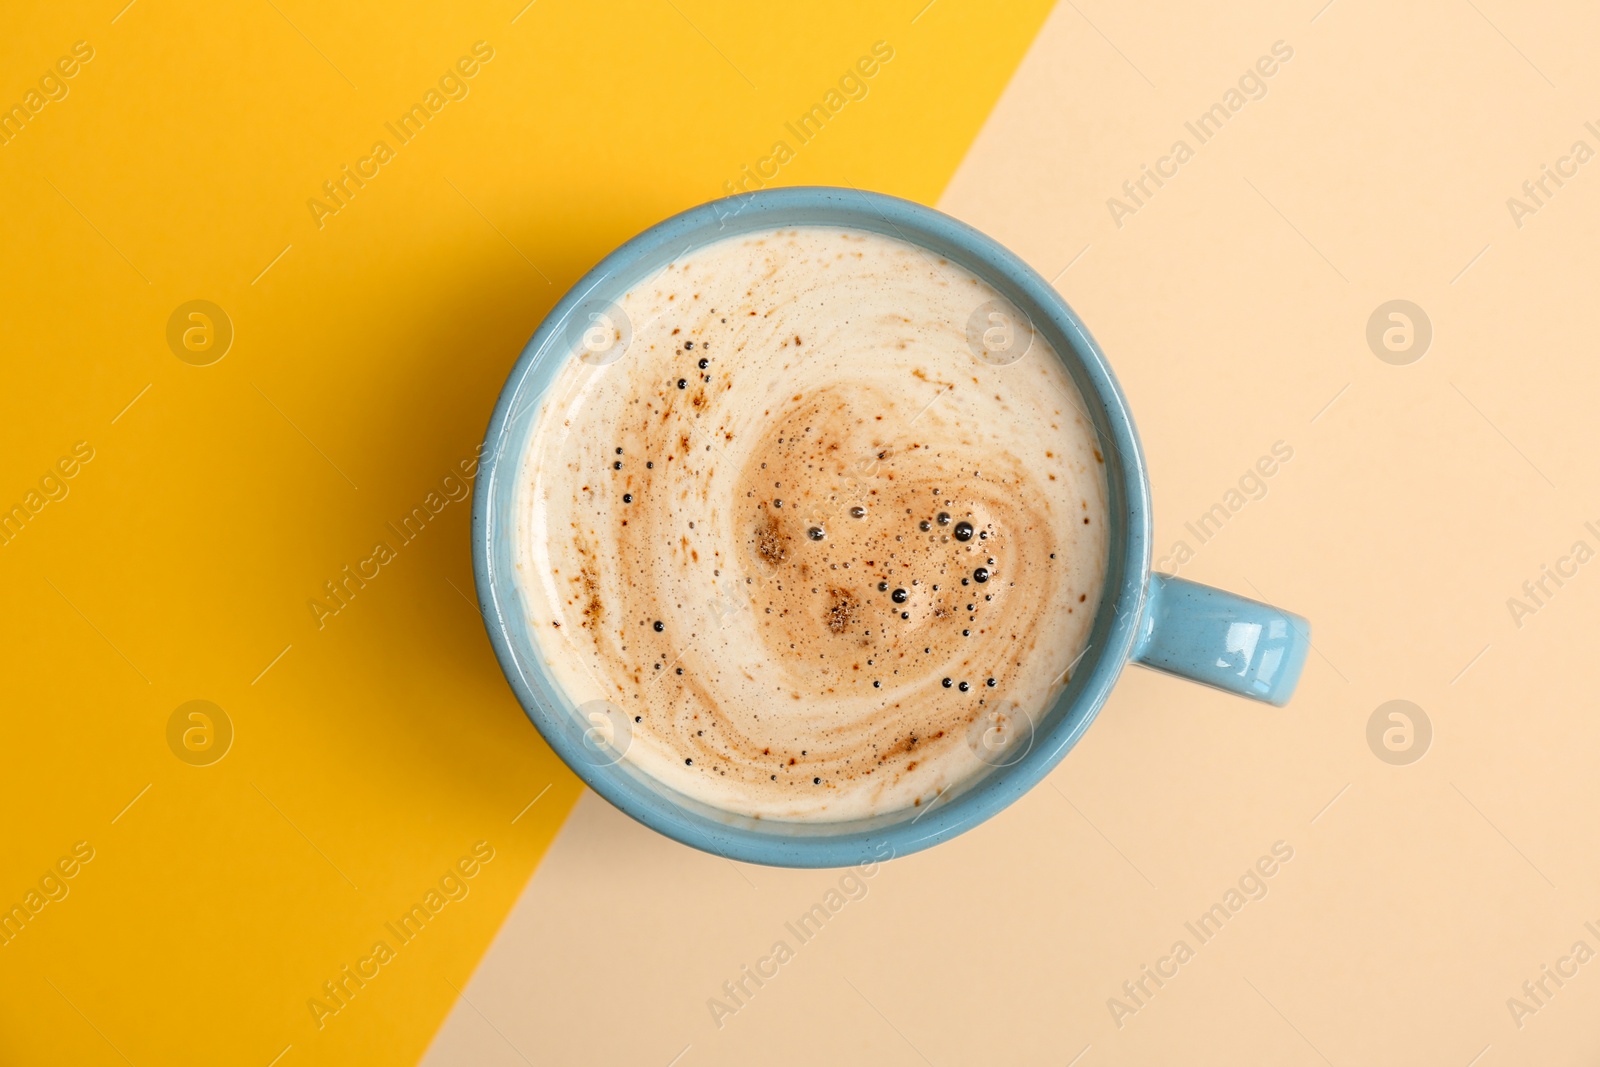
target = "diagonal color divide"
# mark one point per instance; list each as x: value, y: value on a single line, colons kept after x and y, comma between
x: 402, y: 334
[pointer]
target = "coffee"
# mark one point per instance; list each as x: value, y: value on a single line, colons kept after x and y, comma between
x: 811, y: 526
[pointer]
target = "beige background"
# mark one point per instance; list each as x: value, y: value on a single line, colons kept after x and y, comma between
x: 1234, y: 307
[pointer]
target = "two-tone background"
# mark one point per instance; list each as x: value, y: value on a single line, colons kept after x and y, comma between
x: 252, y: 727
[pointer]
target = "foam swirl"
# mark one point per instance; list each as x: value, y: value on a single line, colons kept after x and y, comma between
x: 802, y: 537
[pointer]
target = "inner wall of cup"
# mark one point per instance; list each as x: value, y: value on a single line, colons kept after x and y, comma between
x: 641, y: 259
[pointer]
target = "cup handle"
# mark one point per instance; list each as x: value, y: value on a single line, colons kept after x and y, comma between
x: 1221, y: 640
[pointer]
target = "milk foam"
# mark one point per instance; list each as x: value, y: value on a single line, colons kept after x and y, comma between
x: 820, y: 576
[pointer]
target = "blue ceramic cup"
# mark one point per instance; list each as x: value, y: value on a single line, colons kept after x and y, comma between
x: 1166, y: 623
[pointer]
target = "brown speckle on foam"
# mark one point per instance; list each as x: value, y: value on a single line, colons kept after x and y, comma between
x: 843, y: 610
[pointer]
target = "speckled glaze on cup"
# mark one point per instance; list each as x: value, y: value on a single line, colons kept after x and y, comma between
x: 1166, y: 623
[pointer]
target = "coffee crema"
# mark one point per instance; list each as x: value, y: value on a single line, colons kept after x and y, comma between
x: 820, y: 554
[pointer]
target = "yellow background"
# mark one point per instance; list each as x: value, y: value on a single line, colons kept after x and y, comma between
x: 371, y: 753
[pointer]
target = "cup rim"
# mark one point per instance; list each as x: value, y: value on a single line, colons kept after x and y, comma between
x: 803, y: 844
